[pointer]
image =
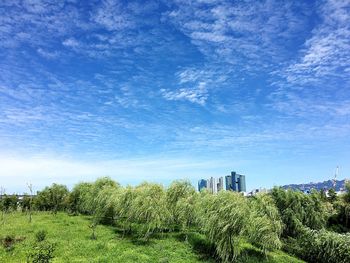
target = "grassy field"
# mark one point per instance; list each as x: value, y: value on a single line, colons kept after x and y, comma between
x: 71, y: 234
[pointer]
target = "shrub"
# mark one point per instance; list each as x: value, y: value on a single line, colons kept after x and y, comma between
x: 321, y: 246
x: 42, y: 252
x: 40, y: 235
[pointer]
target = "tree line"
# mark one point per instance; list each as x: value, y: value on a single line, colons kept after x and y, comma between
x: 311, y: 226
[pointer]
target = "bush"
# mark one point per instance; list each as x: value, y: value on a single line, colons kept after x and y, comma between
x: 42, y: 252
x: 321, y: 246
x: 40, y: 235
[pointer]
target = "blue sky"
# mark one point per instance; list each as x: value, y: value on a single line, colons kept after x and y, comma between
x: 163, y: 90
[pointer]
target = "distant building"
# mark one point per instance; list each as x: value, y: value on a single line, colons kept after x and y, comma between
x: 258, y: 191
x: 212, y: 185
x: 220, y: 184
x: 235, y: 182
x: 202, y: 184
x: 241, y: 183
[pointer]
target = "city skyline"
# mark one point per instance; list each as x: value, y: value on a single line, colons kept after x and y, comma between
x: 164, y: 90
x: 233, y: 182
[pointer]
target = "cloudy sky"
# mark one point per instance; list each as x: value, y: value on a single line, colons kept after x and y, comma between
x: 162, y: 90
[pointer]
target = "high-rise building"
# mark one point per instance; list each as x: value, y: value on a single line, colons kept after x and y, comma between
x: 202, y: 184
x: 220, y: 184
x: 235, y: 178
x: 235, y: 182
x: 241, y: 183
x: 228, y: 182
x: 212, y: 186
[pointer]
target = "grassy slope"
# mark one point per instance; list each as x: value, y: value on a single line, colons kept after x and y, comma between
x: 72, y: 236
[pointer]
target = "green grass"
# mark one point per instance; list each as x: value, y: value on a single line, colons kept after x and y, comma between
x: 71, y: 234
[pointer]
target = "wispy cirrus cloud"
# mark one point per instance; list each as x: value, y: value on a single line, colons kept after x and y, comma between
x: 326, y: 54
x: 240, y: 33
x: 198, y: 94
x: 316, y: 82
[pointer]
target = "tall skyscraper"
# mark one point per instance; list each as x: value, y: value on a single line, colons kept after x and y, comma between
x: 235, y: 182
x: 228, y: 182
x: 202, y: 184
x: 220, y: 184
x: 241, y: 183
x: 212, y: 186
x: 235, y: 178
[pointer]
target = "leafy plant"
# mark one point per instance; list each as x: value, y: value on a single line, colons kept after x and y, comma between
x: 41, y: 252
x: 40, y: 235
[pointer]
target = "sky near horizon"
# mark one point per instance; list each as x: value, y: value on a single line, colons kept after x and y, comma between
x: 164, y: 90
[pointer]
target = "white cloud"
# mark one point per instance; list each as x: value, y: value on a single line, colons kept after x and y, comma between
x: 241, y: 33
x: 47, y: 54
x: 197, y: 94
x: 326, y: 53
x: 112, y: 16
x: 71, y: 42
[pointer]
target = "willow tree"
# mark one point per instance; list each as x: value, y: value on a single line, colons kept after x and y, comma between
x: 149, y: 209
x: 265, y: 226
x: 123, y: 203
x: 224, y: 218
x: 298, y: 209
x: 186, y: 211
x: 107, y: 201
x: 179, y: 198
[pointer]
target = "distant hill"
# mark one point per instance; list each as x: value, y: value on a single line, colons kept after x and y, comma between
x: 339, y: 185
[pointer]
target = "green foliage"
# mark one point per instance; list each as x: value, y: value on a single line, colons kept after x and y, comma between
x: 227, y: 223
x: 322, y: 246
x: 52, y: 198
x: 40, y: 235
x: 332, y: 195
x: 42, y: 252
x: 265, y: 226
x: 340, y: 219
x: 223, y: 218
x: 9, y: 203
x: 106, y: 209
x: 149, y: 208
x: 298, y: 209
x: 26, y: 203
x: 77, y: 200
x: 179, y: 197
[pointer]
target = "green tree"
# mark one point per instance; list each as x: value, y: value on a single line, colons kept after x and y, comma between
x: 298, y: 209
x: 332, y: 195
x: 149, y: 209
x: 52, y: 198
x: 77, y: 200
x: 178, y: 197
x: 265, y: 226
x: 223, y: 218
